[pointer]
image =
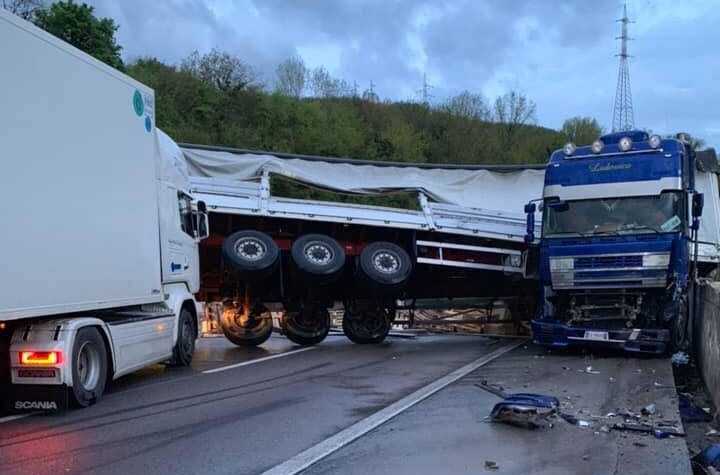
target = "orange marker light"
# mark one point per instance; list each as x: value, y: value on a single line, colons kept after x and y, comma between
x: 39, y: 358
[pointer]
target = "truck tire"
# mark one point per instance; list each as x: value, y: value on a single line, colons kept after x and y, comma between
x: 89, y: 367
x: 252, y: 254
x: 185, y: 345
x: 251, y: 330
x: 307, y: 327
x: 386, y: 267
x: 365, y: 328
x: 319, y: 256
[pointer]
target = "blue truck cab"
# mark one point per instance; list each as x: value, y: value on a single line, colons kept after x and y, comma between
x: 619, y: 219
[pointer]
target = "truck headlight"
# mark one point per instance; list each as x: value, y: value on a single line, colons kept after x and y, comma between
x: 656, y: 260
x: 562, y: 264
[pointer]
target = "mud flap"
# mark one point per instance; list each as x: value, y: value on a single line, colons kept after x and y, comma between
x: 37, y: 397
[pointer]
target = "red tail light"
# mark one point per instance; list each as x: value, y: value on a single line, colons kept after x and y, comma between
x: 40, y: 358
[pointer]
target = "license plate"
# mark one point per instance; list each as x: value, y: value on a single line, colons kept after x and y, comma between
x: 597, y: 336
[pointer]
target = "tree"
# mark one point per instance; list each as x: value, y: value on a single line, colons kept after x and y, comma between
x: 78, y: 25
x: 581, y: 130
x: 25, y: 9
x: 222, y: 70
x: 468, y: 105
x: 514, y: 110
x: 292, y: 75
x: 324, y: 85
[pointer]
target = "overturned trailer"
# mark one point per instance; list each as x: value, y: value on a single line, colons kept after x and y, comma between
x: 464, y: 239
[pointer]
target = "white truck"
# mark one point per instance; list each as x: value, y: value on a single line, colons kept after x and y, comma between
x: 99, y: 241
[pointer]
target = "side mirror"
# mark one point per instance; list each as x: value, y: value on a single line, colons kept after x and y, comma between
x: 530, y: 224
x: 698, y: 202
x: 202, y: 207
x: 558, y: 205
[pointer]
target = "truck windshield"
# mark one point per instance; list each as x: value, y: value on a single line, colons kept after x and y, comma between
x: 661, y: 213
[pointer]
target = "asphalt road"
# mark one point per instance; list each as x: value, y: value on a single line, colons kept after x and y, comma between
x: 224, y: 416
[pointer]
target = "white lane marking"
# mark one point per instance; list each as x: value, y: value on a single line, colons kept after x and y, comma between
x: 257, y: 360
x: 16, y: 417
x: 314, y: 454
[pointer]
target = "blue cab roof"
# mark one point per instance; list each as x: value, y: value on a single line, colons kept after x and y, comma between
x: 611, y: 165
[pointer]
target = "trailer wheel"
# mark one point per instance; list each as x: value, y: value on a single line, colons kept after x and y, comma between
x: 307, y: 327
x: 89, y: 367
x: 369, y: 327
x: 253, y: 254
x: 252, y: 329
x: 185, y: 345
x: 385, y: 266
x: 318, y: 255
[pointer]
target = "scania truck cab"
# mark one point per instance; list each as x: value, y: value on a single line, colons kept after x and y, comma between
x: 619, y: 227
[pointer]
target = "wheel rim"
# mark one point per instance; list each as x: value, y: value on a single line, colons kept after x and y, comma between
x: 250, y: 249
x: 88, y: 365
x: 318, y: 253
x: 386, y: 262
x: 307, y: 323
x: 368, y: 325
x: 187, y: 337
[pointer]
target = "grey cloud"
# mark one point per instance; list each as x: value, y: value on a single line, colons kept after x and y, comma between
x: 559, y: 53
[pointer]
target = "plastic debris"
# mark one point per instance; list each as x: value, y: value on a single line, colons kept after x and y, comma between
x: 648, y: 410
x: 491, y: 465
x: 589, y: 370
x: 660, y: 431
x: 525, y: 410
x: 710, y: 457
x: 583, y: 423
x: 680, y: 358
x: 689, y: 412
x: 610, y: 414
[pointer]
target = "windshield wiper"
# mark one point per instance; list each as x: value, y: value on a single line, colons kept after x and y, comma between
x: 640, y: 226
x: 565, y: 233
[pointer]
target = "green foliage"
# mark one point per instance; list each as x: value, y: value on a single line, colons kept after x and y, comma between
x: 78, y: 25
x: 581, y: 130
x: 191, y: 108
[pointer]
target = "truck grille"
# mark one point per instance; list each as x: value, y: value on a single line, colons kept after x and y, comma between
x: 595, y: 262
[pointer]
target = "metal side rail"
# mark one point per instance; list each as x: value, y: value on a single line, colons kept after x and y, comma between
x: 253, y: 199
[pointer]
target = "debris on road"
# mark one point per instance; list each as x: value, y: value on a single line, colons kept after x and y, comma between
x: 689, y: 412
x: 660, y: 430
x: 648, y: 410
x: 680, y: 358
x: 707, y: 461
x: 491, y: 465
x: 588, y: 370
x: 526, y: 410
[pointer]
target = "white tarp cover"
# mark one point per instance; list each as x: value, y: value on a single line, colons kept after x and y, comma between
x: 486, y: 189
x: 504, y: 191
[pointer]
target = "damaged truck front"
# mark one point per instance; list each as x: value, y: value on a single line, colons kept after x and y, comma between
x: 618, y: 255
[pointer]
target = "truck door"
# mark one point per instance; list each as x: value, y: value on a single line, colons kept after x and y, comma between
x: 180, y: 261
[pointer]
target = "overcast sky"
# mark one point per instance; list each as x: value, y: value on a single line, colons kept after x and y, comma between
x: 559, y: 53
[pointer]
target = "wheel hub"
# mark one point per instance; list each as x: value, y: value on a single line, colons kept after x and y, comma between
x: 88, y: 365
x: 319, y: 254
x: 250, y: 248
x: 386, y: 262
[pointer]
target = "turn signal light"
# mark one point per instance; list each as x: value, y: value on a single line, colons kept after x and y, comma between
x: 39, y: 358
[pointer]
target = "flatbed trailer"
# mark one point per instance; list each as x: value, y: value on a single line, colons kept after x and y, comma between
x: 466, y: 238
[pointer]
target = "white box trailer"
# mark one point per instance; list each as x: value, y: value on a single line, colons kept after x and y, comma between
x: 99, y: 238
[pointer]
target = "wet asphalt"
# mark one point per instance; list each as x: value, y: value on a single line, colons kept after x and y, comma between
x: 248, y: 419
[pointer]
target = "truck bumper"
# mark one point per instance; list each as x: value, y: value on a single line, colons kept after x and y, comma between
x: 636, y: 340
